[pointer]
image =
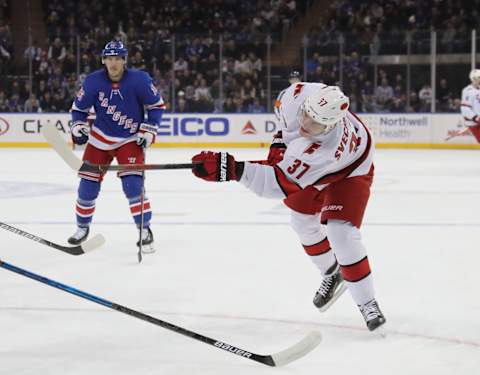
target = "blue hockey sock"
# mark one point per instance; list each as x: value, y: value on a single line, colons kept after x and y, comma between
x: 132, y: 187
x: 87, y: 194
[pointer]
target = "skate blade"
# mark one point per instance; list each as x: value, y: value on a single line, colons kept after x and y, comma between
x: 336, y: 296
x: 148, y: 249
x: 381, y: 332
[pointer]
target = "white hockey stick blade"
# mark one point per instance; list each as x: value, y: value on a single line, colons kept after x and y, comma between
x: 55, y: 140
x: 93, y: 243
x: 302, y: 348
x: 336, y: 296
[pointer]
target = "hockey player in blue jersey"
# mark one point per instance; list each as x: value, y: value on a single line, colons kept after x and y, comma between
x: 119, y: 96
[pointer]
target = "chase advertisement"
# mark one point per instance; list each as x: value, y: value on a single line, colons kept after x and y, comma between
x: 251, y: 130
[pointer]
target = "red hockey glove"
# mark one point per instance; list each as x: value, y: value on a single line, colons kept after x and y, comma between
x: 277, y: 149
x: 217, y: 166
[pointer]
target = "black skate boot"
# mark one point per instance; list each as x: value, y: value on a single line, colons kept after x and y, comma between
x: 372, y: 315
x: 147, y: 241
x: 331, y: 288
x: 79, y: 236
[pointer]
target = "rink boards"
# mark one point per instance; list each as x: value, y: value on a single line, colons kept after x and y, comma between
x: 420, y: 130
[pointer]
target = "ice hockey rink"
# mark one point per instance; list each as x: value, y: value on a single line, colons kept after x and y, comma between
x: 228, y: 266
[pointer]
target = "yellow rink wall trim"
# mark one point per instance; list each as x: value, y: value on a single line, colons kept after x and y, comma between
x: 260, y: 145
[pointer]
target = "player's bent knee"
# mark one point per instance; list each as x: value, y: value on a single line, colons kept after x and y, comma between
x: 132, y: 186
x: 342, y: 234
x: 88, y: 190
x: 302, y: 223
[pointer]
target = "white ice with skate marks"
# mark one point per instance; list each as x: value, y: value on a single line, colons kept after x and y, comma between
x: 228, y: 266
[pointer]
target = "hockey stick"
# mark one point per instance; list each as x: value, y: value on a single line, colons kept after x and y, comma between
x: 142, y: 201
x: 291, y: 354
x: 457, y: 133
x: 54, y: 138
x: 87, y: 246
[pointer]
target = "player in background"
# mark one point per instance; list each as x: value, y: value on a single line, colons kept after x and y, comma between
x: 324, y: 178
x: 119, y: 96
x: 470, y: 106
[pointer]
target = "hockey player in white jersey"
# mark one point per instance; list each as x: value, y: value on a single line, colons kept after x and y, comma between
x: 470, y: 106
x: 324, y: 178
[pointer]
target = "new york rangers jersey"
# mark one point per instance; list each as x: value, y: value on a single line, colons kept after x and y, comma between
x: 119, y: 106
x: 470, y: 106
x: 346, y: 151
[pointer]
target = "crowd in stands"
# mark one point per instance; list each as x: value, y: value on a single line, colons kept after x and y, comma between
x: 179, y: 45
x: 6, y: 46
x: 381, y: 26
x: 390, y: 94
x: 148, y: 31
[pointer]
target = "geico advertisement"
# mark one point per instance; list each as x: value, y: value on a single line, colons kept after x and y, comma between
x: 399, y: 128
x: 240, y: 128
x: 217, y: 127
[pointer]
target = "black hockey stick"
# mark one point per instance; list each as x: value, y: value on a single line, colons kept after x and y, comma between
x: 54, y: 138
x: 89, y: 245
x: 142, y: 217
x: 279, y: 359
x: 87, y: 167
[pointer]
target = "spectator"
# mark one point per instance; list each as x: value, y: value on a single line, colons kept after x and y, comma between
x: 57, y: 50
x: 425, y: 95
x: 46, y: 103
x: 229, y: 105
x: 33, y: 53
x: 383, y: 96
x: 202, y: 92
x: 415, y: 103
x: 137, y: 61
x: 14, y: 104
x: 32, y: 104
x: 248, y: 92
x: 444, y: 96
x: 180, y: 64
x: 243, y: 66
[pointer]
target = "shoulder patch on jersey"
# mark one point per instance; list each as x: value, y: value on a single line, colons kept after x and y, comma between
x: 154, y: 89
x: 312, y: 148
x: 80, y: 94
x: 298, y: 89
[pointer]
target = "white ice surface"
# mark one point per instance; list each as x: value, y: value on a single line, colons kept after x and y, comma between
x: 228, y: 266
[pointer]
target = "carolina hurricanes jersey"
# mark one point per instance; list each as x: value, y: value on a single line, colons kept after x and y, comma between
x: 344, y: 152
x: 470, y: 106
x: 288, y: 104
x: 119, y: 106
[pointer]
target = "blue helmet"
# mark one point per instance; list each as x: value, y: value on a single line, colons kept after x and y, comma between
x: 114, y: 48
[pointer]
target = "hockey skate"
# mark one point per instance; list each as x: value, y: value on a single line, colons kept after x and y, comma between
x: 79, y: 236
x: 147, y: 241
x: 372, y: 315
x: 331, y: 288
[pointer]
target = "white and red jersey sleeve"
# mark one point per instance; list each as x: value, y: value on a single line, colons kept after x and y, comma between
x: 470, y: 106
x: 347, y: 151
